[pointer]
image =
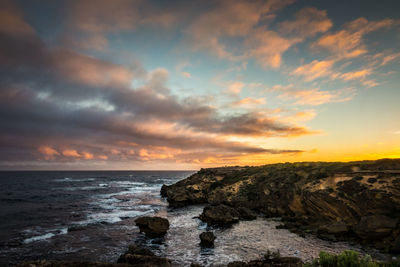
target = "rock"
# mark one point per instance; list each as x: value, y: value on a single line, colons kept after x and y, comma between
x: 219, y: 215
x: 196, y: 265
x: 246, y: 213
x: 163, y: 191
x: 372, y: 180
x: 153, y: 226
x: 136, y: 256
x: 375, y: 226
x: 335, y: 228
x: 207, y: 239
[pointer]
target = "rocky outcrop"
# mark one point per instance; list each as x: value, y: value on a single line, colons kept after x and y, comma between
x: 207, y: 239
x: 153, y: 226
x: 331, y: 199
x: 219, y: 215
x: 141, y: 257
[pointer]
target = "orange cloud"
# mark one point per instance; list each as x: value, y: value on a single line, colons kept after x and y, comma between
x: 315, y: 69
x: 229, y: 19
x: 249, y: 101
x: 87, y: 155
x: 316, y: 97
x: 267, y: 47
x: 103, y: 157
x: 235, y: 87
x: 71, y: 153
x: 348, y: 43
x: 48, y: 152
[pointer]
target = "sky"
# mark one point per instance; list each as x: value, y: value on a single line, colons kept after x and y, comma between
x: 182, y: 85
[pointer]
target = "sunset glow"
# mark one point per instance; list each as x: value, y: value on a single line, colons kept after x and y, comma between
x: 97, y: 84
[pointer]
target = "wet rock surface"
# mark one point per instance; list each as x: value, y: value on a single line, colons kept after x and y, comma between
x: 153, y: 226
x: 331, y: 200
x: 207, y: 239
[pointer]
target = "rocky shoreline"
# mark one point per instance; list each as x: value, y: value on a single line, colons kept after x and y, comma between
x: 358, y: 201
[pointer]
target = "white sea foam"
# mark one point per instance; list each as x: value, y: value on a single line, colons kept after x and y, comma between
x: 68, y: 179
x: 49, y: 234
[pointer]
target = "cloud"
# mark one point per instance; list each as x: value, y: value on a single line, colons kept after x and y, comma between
x: 308, y: 22
x: 348, y: 42
x: 71, y: 153
x: 228, y: 19
x: 315, y: 69
x: 356, y: 75
x: 11, y: 20
x: 235, y: 88
x: 97, y: 18
x: 267, y: 47
x: 48, y: 152
x: 314, y: 97
x: 45, y: 91
x: 249, y: 101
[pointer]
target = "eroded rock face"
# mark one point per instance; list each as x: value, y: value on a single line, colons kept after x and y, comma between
x: 207, y: 239
x: 334, y: 199
x: 136, y: 256
x: 219, y: 215
x: 153, y: 226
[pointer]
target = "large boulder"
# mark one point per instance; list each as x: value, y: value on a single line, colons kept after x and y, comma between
x: 207, y: 239
x: 375, y: 226
x: 153, y: 226
x: 219, y: 215
x: 142, y: 257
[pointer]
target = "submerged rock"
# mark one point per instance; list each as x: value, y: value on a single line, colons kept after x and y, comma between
x: 219, y: 215
x: 137, y: 256
x: 207, y: 239
x: 153, y: 226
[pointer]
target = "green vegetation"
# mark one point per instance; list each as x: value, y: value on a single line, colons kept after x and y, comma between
x: 348, y: 258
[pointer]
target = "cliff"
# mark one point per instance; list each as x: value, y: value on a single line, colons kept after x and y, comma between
x: 356, y: 200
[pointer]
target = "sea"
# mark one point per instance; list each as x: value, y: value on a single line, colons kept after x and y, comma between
x: 89, y: 216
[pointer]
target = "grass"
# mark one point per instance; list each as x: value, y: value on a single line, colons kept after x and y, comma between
x: 348, y: 258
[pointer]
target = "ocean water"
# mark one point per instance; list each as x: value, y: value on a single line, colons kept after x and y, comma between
x: 90, y: 216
